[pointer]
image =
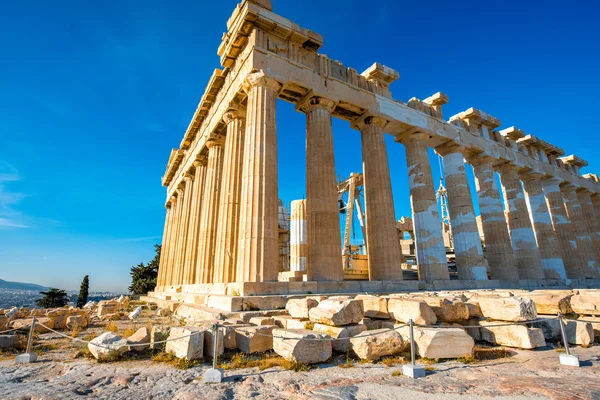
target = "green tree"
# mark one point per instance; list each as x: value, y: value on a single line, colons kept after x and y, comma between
x: 83, y: 292
x: 53, y: 298
x: 143, y: 277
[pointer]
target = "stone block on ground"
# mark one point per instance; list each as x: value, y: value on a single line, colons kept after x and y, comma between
x: 188, y: 343
x: 340, y: 332
x: 547, y: 303
x: 374, y: 306
x: 3, y: 322
x: 372, y: 323
x: 108, y: 345
x: 25, y: 324
x: 302, y: 345
x: 581, y: 333
x: 262, y: 321
x: 516, y: 309
x: 229, y: 339
x: 471, y: 326
x: 282, y: 320
x: 77, y: 322
x: 255, y: 339
x: 140, y: 340
x: 586, y: 303
x: 595, y: 321
x: 549, y: 326
x: 404, y: 309
x: 299, y: 324
x: 209, y: 348
x: 440, y: 342
x: 106, y: 307
x: 337, y: 313
x: 519, y: 336
x: 372, y: 345
x: 8, y: 341
x: 158, y: 334
x: 448, y: 309
x: 299, y: 308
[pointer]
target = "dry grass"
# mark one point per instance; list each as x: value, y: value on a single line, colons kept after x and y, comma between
x: 75, y: 331
x: 128, y: 332
x: 397, y: 373
x: 83, y: 352
x: 262, y: 362
x: 391, y: 361
x: 179, y: 363
x: 429, y: 361
x: 346, y: 365
x: 112, y: 327
x: 429, y: 369
x: 490, y: 353
x: 309, y: 325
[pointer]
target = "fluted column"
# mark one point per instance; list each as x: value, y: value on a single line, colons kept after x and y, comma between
x: 191, y: 254
x: 231, y: 190
x: 574, y: 264
x: 519, y: 224
x: 298, y: 236
x: 322, y: 209
x: 498, y: 248
x: 552, y: 262
x: 385, y: 258
x: 580, y: 228
x: 209, y: 213
x: 258, y: 244
x: 174, y: 237
x: 591, y: 218
x: 429, y: 243
x: 470, y: 262
x: 165, y: 246
x: 183, y: 229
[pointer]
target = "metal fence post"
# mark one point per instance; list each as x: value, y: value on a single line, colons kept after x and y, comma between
x: 28, y: 356
x: 566, y: 358
x: 412, y: 370
x: 214, y: 375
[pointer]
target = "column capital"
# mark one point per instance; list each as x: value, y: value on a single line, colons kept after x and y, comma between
x: 552, y: 180
x: 188, y: 176
x: 412, y: 136
x: 218, y: 141
x: 507, y: 167
x: 310, y: 101
x: 362, y: 122
x: 448, y: 148
x: 477, y: 159
x: 530, y: 175
x: 234, y: 112
x: 568, y: 188
x: 200, y: 160
x: 260, y: 79
x: 583, y: 190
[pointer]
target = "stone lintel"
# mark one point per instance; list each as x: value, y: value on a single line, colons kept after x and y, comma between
x: 592, y: 177
x: 368, y: 119
x: 311, y: 100
x: 512, y: 133
x: 381, y: 74
x: 479, y: 117
x: 437, y: 99
x: 574, y: 160
x: 449, y: 147
x: 174, y: 161
x: 536, y: 142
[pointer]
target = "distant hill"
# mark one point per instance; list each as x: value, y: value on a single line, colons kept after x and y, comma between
x: 21, y: 286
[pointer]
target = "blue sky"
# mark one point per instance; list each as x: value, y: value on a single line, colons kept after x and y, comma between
x: 93, y: 95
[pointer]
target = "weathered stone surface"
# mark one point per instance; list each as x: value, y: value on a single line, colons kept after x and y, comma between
x: 209, y: 348
x: 108, y: 345
x: 516, y: 309
x: 281, y: 320
x: 373, y: 323
x: 519, y: 336
x: 3, y: 322
x: 229, y: 339
x: 302, y: 345
x: 299, y: 308
x: 159, y: 333
x: 404, y: 309
x: 7, y: 341
x: 372, y: 345
x: 586, y: 303
x: 188, y: 343
x: 474, y: 310
x: 447, y: 309
x: 551, y: 303
x: 440, y: 342
x: 550, y: 328
x: 471, y: 326
x: 337, y: 313
x: 76, y: 322
x: 262, y: 321
x: 374, y: 306
x: 140, y: 340
x: 340, y: 332
x: 25, y: 324
x: 581, y: 333
x: 255, y: 339
x: 106, y: 307
x: 299, y: 324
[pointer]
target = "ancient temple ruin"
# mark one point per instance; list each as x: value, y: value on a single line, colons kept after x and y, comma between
x: 221, y: 234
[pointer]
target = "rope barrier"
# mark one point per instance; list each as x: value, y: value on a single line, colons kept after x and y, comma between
x: 10, y: 330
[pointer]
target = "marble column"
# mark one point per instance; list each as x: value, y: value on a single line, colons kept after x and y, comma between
x: 574, y: 264
x: 498, y: 248
x: 580, y: 228
x: 298, y: 236
x: 519, y: 224
x: 165, y: 246
x: 258, y: 244
x: 552, y: 262
x: 191, y: 253
x: 183, y: 228
x: 470, y: 263
x: 385, y: 258
x: 322, y: 209
x: 429, y: 243
x: 591, y: 218
x: 173, y: 242
x: 210, y: 210
x: 229, y: 204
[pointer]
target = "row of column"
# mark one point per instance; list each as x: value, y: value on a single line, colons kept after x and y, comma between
x: 222, y: 223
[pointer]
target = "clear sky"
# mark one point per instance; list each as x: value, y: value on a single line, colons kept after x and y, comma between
x: 93, y: 95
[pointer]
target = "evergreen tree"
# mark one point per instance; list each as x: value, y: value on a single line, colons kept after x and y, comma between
x: 83, y: 292
x: 53, y: 298
x: 143, y: 277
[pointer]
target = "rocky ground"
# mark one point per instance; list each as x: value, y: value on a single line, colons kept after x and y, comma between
x: 523, y: 375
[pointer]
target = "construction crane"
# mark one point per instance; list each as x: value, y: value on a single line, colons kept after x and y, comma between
x: 355, y: 264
